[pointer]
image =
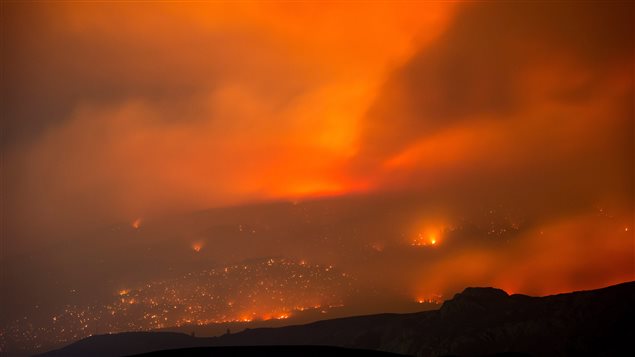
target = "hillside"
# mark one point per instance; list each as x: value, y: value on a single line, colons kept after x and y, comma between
x: 478, y: 321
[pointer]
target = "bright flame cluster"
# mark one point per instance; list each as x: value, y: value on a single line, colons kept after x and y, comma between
x: 136, y: 224
x: 429, y: 238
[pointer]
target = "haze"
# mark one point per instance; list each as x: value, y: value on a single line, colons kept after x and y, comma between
x: 368, y: 157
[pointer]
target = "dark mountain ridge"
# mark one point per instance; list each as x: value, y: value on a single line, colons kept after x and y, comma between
x: 478, y: 321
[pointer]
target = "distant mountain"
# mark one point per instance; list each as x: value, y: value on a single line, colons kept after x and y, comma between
x: 478, y: 321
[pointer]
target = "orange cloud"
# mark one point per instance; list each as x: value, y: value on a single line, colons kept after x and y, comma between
x: 183, y: 106
x: 122, y: 110
x: 567, y: 255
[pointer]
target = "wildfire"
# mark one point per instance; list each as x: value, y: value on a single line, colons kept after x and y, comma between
x: 136, y: 224
x: 431, y: 233
x: 246, y: 318
x: 197, y: 246
x: 430, y: 299
x: 281, y: 315
x: 425, y: 240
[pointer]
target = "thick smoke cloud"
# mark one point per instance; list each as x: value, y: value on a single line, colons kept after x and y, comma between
x: 525, y: 104
x: 495, y: 62
x: 419, y: 117
x: 120, y: 110
x: 513, y: 99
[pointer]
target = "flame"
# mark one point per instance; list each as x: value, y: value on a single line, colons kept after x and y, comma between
x: 123, y: 292
x: 136, y: 224
x: 426, y: 239
x: 430, y: 299
x: 197, y: 246
x: 246, y: 318
x: 430, y: 233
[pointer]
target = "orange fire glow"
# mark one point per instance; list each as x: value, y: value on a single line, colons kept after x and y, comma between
x: 429, y: 238
x: 246, y: 318
x: 430, y: 299
x: 184, y: 106
x: 284, y: 51
x: 529, y: 266
x: 197, y: 246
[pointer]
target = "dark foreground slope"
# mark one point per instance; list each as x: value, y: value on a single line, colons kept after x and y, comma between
x: 478, y: 321
x: 273, y: 351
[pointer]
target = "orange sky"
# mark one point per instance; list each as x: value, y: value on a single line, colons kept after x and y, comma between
x: 198, y: 105
x: 120, y: 110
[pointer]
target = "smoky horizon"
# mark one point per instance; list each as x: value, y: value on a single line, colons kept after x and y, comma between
x: 167, y: 165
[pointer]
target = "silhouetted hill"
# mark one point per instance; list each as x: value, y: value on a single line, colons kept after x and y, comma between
x: 305, y: 351
x: 478, y: 321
